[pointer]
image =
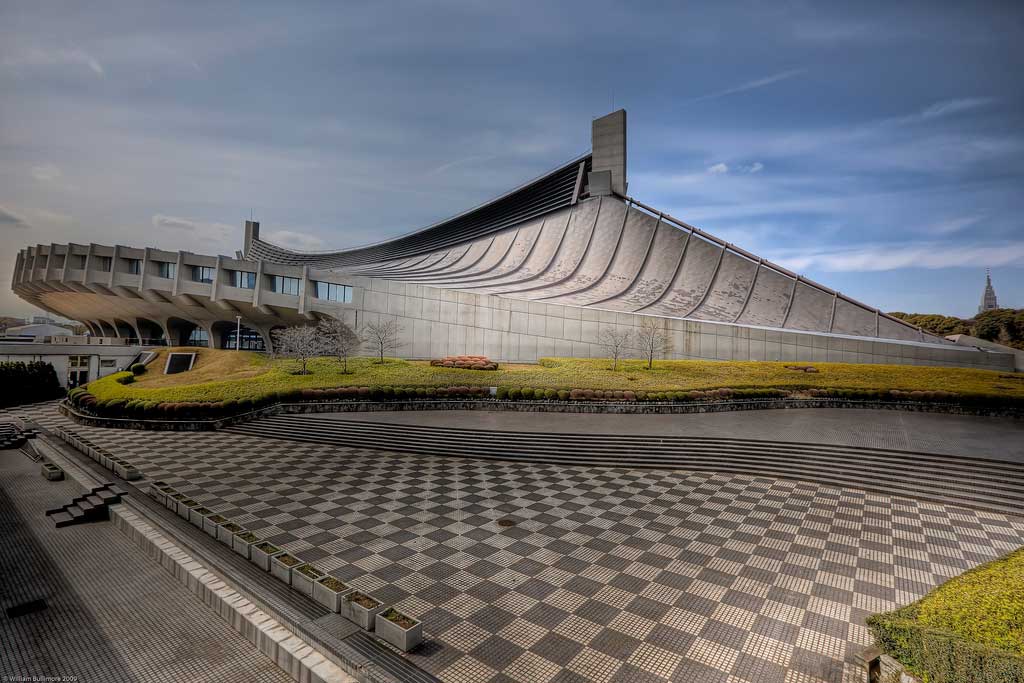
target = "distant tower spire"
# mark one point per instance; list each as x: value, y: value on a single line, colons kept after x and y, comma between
x: 988, y: 298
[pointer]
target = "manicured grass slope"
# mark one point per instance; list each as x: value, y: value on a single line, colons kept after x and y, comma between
x: 970, y: 628
x: 219, y: 375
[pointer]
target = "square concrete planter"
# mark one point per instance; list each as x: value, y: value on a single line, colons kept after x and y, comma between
x: 106, y: 460
x: 400, y: 630
x: 131, y: 473
x: 173, y: 499
x: 156, y: 493
x: 360, y: 609
x: 304, y: 577
x: 185, y: 507
x: 51, y: 472
x: 120, y: 468
x: 261, y: 553
x: 226, y: 533
x: 329, y: 592
x: 197, y: 515
x: 211, y: 523
x: 282, y: 565
x: 243, y: 542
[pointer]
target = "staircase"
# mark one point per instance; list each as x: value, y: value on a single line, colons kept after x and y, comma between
x: 90, y: 507
x: 11, y: 436
x: 985, y: 484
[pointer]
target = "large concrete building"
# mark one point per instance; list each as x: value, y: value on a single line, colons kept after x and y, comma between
x: 537, y: 272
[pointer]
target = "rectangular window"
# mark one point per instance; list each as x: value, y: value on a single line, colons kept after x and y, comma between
x: 284, y: 285
x: 166, y: 269
x: 108, y: 363
x: 102, y: 263
x: 202, y: 274
x: 243, y: 279
x: 78, y: 361
x: 133, y: 265
x: 333, y: 292
x: 79, y: 262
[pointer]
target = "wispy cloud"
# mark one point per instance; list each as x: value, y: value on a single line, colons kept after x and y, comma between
x: 9, y: 219
x: 953, y: 225
x: 213, y: 233
x: 294, y: 240
x: 461, y: 162
x: 718, y: 169
x: 749, y: 85
x: 46, y: 172
x: 955, y: 106
x: 881, y: 257
x: 54, y: 57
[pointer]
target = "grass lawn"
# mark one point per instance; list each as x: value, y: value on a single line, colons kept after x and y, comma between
x: 977, y: 617
x: 219, y: 375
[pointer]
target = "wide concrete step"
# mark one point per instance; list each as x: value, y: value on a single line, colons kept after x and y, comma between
x: 985, y: 473
x: 977, y: 483
x: 312, y: 423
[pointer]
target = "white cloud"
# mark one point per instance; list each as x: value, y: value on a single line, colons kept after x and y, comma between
x: 949, y: 107
x: 217, y: 234
x: 9, y: 219
x: 879, y: 257
x: 750, y: 85
x: 718, y: 169
x: 36, y: 57
x: 46, y: 172
x: 952, y: 225
x: 294, y: 240
x: 756, y: 167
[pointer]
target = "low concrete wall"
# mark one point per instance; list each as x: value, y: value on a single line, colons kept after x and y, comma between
x: 592, y: 407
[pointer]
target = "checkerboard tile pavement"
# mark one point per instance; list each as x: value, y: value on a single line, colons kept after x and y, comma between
x: 607, y: 575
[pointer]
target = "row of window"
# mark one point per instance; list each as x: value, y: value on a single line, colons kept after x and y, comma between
x: 239, y: 278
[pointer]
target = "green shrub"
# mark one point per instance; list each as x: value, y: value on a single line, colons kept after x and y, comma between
x: 967, y: 629
x: 138, y: 369
x: 127, y: 378
x: 527, y: 393
x: 550, y: 394
x: 563, y: 395
x: 514, y: 394
x: 502, y: 393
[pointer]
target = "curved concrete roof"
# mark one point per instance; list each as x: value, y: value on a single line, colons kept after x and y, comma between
x: 608, y: 252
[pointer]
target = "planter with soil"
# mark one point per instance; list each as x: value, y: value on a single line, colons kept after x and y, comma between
x: 185, y: 507
x: 212, y: 522
x: 304, y: 577
x: 400, y: 630
x: 243, y: 542
x: 197, y: 515
x: 360, y: 609
x: 226, y: 533
x: 329, y: 592
x: 261, y: 554
x: 282, y: 565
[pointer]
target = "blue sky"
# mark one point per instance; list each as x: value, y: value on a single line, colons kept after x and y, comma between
x: 875, y: 147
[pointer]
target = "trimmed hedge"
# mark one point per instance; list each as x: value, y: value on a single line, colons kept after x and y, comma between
x: 138, y: 369
x: 970, y: 628
x: 22, y: 383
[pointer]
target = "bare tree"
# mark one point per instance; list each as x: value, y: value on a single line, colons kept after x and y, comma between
x: 617, y: 341
x: 383, y: 336
x: 299, y: 343
x: 651, y: 339
x: 340, y: 340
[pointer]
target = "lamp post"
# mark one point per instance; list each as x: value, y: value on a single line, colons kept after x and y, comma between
x: 238, y: 332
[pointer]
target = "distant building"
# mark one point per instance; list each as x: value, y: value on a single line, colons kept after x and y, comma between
x: 988, y: 297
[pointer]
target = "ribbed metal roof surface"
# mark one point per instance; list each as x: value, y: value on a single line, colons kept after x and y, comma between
x: 548, y: 193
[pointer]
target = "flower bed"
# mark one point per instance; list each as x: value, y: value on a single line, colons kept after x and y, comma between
x: 465, y: 362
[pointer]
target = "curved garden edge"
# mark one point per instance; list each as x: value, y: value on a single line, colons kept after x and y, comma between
x: 545, y: 406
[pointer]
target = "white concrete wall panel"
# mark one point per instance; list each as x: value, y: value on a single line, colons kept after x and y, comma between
x: 769, y: 299
x: 853, y: 319
x: 692, y: 279
x: 812, y: 309
x: 729, y: 291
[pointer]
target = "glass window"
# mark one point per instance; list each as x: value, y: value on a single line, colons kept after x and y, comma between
x: 333, y: 292
x: 202, y: 274
x: 284, y: 285
x: 102, y: 263
x: 108, y: 363
x: 166, y: 269
x: 250, y: 340
x: 78, y: 262
x: 134, y: 265
x: 243, y: 279
x: 199, y: 337
x: 78, y: 361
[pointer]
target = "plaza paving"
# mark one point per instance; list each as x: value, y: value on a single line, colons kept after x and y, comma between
x: 607, y: 575
x: 112, y: 614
